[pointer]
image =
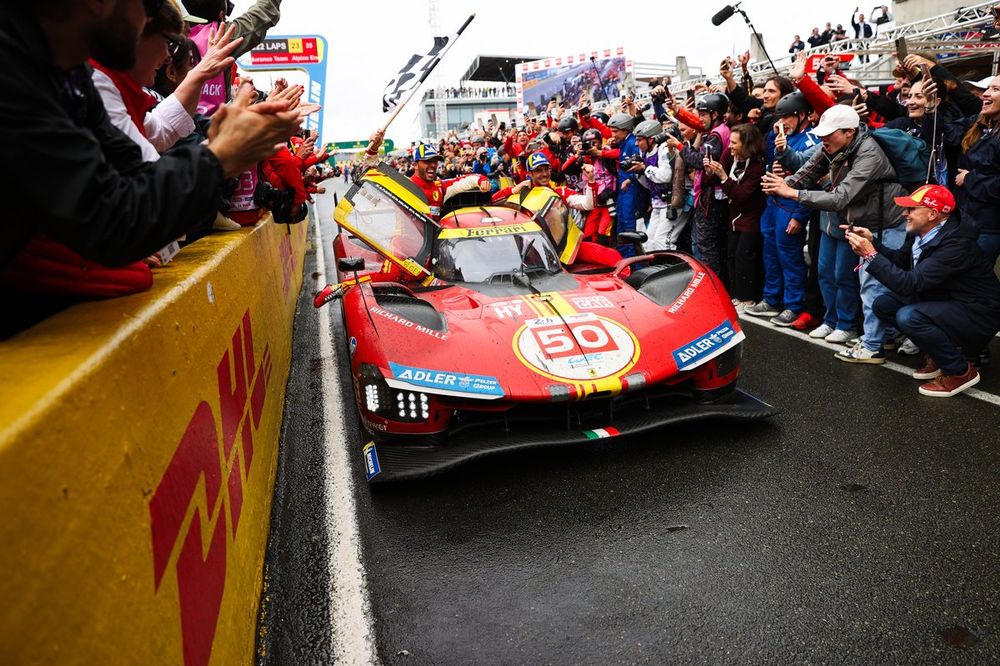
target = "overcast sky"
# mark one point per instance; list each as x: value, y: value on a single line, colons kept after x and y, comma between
x: 370, y: 40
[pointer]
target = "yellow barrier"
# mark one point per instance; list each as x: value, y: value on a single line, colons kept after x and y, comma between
x: 138, y: 449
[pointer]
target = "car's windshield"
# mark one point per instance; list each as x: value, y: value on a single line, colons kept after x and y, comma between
x: 486, y: 258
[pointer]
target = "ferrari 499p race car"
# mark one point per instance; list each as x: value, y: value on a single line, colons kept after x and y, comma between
x: 468, y: 336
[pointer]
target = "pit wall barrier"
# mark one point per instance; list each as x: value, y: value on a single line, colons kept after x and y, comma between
x: 138, y: 450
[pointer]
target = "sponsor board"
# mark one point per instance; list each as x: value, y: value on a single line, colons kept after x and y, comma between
x: 456, y: 382
x: 705, y: 347
x: 372, y: 468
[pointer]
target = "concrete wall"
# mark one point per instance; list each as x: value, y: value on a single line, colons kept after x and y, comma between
x: 138, y: 449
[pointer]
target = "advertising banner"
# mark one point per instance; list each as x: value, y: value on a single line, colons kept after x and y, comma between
x: 594, y: 76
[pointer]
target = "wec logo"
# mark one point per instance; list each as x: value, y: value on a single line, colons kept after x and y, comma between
x: 225, y: 467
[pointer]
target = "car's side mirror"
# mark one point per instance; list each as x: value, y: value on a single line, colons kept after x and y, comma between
x: 351, y: 264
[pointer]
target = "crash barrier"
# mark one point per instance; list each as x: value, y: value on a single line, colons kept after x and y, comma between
x: 138, y: 449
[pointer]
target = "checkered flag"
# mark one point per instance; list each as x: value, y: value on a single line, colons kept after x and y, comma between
x: 415, y: 71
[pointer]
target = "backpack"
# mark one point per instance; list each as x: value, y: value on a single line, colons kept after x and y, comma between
x: 908, y: 155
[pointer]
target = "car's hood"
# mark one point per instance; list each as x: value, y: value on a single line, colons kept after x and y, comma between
x: 581, y: 336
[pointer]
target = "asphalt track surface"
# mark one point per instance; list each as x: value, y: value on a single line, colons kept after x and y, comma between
x: 859, y: 526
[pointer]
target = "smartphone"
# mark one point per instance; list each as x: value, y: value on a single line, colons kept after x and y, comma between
x: 493, y: 117
x: 901, y: 50
x: 690, y: 93
x: 779, y: 127
x: 926, y: 71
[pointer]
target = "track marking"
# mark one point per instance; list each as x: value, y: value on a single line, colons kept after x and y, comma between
x: 895, y: 367
x: 351, y: 627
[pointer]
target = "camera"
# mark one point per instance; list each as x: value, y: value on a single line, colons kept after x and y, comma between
x: 279, y: 202
x: 586, y: 145
x: 631, y: 161
x: 584, y: 110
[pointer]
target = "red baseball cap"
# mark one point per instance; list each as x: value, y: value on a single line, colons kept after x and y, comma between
x: 934, y: 197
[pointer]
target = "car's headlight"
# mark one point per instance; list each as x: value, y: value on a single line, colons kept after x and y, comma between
x: 381, y: 400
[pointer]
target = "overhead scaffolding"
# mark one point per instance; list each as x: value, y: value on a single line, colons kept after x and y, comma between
x: 963, y: 32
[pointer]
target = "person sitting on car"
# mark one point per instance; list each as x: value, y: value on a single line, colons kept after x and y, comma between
x: 540, y: 176
x: 425, y: 168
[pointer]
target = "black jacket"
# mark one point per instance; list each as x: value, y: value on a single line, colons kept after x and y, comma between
x: 67, y: 172
x: 951, y: 269
x: 978, y: 200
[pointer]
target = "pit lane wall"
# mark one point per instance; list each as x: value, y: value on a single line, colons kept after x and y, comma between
x: 138, y: 450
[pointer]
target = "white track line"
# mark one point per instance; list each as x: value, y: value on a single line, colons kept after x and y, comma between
x: 895, y: 367
x: 352, y: 628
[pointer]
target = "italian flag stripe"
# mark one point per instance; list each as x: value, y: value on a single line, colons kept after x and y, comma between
x: 601, y: 433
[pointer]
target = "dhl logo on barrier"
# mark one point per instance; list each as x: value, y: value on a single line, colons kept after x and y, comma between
x: 201, y: 454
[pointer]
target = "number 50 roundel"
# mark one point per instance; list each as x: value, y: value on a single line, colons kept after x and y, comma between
x: 576, y: 347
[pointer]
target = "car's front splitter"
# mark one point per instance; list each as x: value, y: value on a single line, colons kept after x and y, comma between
x: 411, y: 460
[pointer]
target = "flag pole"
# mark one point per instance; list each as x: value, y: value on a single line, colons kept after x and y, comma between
x: 423, y: 77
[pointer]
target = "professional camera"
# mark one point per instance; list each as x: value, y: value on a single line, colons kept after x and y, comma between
x: 279, y: 202
x: 631, y: 161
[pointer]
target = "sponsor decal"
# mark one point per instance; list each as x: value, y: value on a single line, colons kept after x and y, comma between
x: 451, y: 381
x: 482, y: 232
x: 372, y: 468
x: 592, y: 302
x: 700, y: 349
x: 509, y: 309
x: 206, y: 477
x: 354, y: 345
x: 419, y: 328
x: 683, y: 298
x: 601, y: 433
x: 579, y: 347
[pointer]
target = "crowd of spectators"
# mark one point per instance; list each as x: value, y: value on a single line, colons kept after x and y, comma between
x: 471, y: 91
x: 879, y: 19
x: 862, y: 215
x: 150, y: 139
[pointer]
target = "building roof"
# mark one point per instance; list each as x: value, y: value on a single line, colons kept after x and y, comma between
x: 495, y: 67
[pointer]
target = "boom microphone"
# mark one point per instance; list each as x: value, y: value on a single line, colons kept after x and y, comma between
x: 724, y: 14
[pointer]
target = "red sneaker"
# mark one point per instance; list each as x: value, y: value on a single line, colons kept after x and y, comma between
x: 946, y: 386
x: 804, y: 322
x: 929, y: 370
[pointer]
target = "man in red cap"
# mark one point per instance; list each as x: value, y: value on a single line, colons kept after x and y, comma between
x: 945, y: 297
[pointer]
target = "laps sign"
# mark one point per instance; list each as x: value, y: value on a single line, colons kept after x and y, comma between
x: 288, y: 51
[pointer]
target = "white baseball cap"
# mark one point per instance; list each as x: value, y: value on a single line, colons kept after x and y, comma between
x: 190, y: 18
x: 837, y: 117
x: 982, y: 84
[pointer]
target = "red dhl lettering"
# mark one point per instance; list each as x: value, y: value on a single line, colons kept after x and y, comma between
x: 201, y: 580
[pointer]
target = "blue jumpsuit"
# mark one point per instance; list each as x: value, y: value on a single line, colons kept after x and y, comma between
x: 784, y: 265
x: 633, y: 202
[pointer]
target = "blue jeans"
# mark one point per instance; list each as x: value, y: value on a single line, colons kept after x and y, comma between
x: 990, y: 245
x: 839, y: 283
x: 924, y: 333
x: 875, y: 328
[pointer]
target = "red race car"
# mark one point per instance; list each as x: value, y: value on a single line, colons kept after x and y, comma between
x: 468, y: 336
